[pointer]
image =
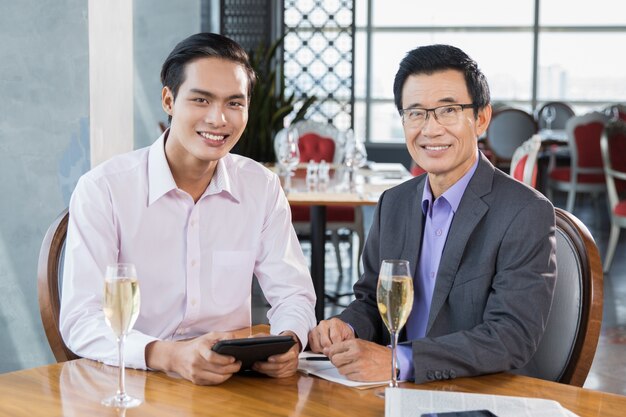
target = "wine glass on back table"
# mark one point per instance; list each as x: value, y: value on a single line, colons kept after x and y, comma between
x: 394, y: 295
x: 121, y: 308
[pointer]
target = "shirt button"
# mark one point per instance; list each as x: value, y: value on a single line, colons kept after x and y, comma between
x: 193, y: 223
x: 193, y: 301
x: 438, y: 232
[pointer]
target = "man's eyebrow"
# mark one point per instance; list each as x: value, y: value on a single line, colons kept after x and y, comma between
x: 446, y: 100
x: 208, y: 94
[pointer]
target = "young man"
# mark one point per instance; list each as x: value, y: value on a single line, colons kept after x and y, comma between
x: 197, y: 222
x: 481, y: 245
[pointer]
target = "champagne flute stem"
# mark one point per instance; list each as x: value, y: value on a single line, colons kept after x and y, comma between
x: 394, y: 359
x: 121, y: 392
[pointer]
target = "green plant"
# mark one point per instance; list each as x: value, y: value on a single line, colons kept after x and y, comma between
x: 269, y: 106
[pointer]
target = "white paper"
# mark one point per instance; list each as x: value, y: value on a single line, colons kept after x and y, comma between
x: 326, y: 370
x: 402, y: 402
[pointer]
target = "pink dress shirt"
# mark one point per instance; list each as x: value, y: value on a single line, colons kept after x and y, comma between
x: 194, y: 261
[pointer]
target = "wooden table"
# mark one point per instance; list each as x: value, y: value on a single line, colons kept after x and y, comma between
x: 370, y: 184
x: 76, y: 388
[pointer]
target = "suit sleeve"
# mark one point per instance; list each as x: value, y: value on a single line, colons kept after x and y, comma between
x: 516, y: 311
x: 362, y: 314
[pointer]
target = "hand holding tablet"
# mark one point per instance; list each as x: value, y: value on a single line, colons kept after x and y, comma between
x: 254, y: 349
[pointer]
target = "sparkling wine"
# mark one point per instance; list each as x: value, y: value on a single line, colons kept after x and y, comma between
x: 395, y: 300
x: 121, y: 304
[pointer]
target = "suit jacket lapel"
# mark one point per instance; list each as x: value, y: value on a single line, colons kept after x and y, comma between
x: 413, y: 233
x: 470, y: 211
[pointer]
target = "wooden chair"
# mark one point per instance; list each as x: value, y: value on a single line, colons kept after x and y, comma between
x: 48, y: 277
x: 613, y: 146
x: 571, y: 336
x: 524, y: 162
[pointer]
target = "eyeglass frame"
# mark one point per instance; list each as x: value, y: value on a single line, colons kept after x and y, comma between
x: 433, y: 109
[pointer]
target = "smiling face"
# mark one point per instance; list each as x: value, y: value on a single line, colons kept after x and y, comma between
x: 209, y: 113
x: 445, y: 152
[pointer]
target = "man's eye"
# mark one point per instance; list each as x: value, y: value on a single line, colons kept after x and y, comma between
x: 416, y: 114
x: 236, y: 104
x: 449, y: 110
x: 199, y: 100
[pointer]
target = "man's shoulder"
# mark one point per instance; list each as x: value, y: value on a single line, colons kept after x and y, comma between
x: 124, y: 165
x: 242, y: 166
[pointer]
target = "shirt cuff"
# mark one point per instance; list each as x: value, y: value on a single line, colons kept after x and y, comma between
x: 135, y: 350
x: 303, y: 334
x: 405, y: 362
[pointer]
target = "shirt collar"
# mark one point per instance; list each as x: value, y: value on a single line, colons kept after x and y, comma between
x: 161, y: 181
x: 453, y: 194
x: 223, y: 178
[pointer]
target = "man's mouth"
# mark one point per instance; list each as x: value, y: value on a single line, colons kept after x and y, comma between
x: 436, y: 147
x: 212, y: 136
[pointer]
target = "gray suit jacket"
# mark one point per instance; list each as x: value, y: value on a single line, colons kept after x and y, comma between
x: 495, y: 280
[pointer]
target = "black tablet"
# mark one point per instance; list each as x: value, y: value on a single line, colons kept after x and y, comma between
x: 254, y: 349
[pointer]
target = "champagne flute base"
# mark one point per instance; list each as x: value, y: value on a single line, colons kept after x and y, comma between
x: 121, y: 401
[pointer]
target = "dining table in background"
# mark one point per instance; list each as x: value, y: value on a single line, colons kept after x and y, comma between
x: 369, y: 183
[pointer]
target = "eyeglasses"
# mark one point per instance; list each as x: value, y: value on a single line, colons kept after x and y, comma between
x: 446, y: 115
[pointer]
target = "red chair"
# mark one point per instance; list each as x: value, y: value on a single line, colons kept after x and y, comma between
x: 416, y: 169
x: 317, y: 142
x: 613, y: 146
x: 524, y: 162
x: 586, y: 171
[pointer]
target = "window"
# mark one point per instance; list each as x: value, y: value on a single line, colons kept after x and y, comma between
x: 579, y: 57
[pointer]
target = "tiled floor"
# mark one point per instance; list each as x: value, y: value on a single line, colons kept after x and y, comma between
x: 608, y: 372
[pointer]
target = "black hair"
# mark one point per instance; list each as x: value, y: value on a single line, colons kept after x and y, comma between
x: 434, y: 58
x: 203, y: 45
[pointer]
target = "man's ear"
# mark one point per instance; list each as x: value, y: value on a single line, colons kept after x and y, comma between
x: 167, y: 100
x: 482, y: 120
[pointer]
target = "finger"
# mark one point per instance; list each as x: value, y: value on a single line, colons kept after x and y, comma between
x: 218, y: 359
x: 324, y: 334
x: 337, y: 331
x: 203, y: 377
x: 314, y: 343
x: 222, y: 369
x: 261, y: 335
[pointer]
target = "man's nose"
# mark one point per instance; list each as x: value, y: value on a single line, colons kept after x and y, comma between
x: 215, y: 115
x: 431, y: 125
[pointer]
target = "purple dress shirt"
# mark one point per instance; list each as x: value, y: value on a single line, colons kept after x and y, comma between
x: 438, y: 215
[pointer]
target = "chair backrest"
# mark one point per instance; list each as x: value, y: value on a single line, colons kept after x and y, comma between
x: 509, y: 128
x: 613, y: 147
x: 583, y: 135
x: 48, y: 278
x: 315, y: 142
x: 524, y: 162
x: 563, y: 112
x: 571, y: 336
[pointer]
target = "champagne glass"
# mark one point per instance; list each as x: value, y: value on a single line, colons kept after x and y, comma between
x: 549, y: 115
x: 121, y: 308
x: 289, y: 156
x: 394, y: 295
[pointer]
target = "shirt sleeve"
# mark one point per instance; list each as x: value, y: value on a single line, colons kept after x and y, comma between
x: 92, y: 244
x: 405, y: 362
x: 281, y: 270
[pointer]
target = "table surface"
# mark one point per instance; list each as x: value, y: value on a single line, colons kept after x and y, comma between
x: 76, y: 388
x: 369, y: 185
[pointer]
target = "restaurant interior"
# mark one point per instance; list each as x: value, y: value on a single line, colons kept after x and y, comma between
x: 83, y: 85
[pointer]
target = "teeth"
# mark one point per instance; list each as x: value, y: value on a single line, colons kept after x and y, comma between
x: 212, y: 137
x: 437, y: 148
